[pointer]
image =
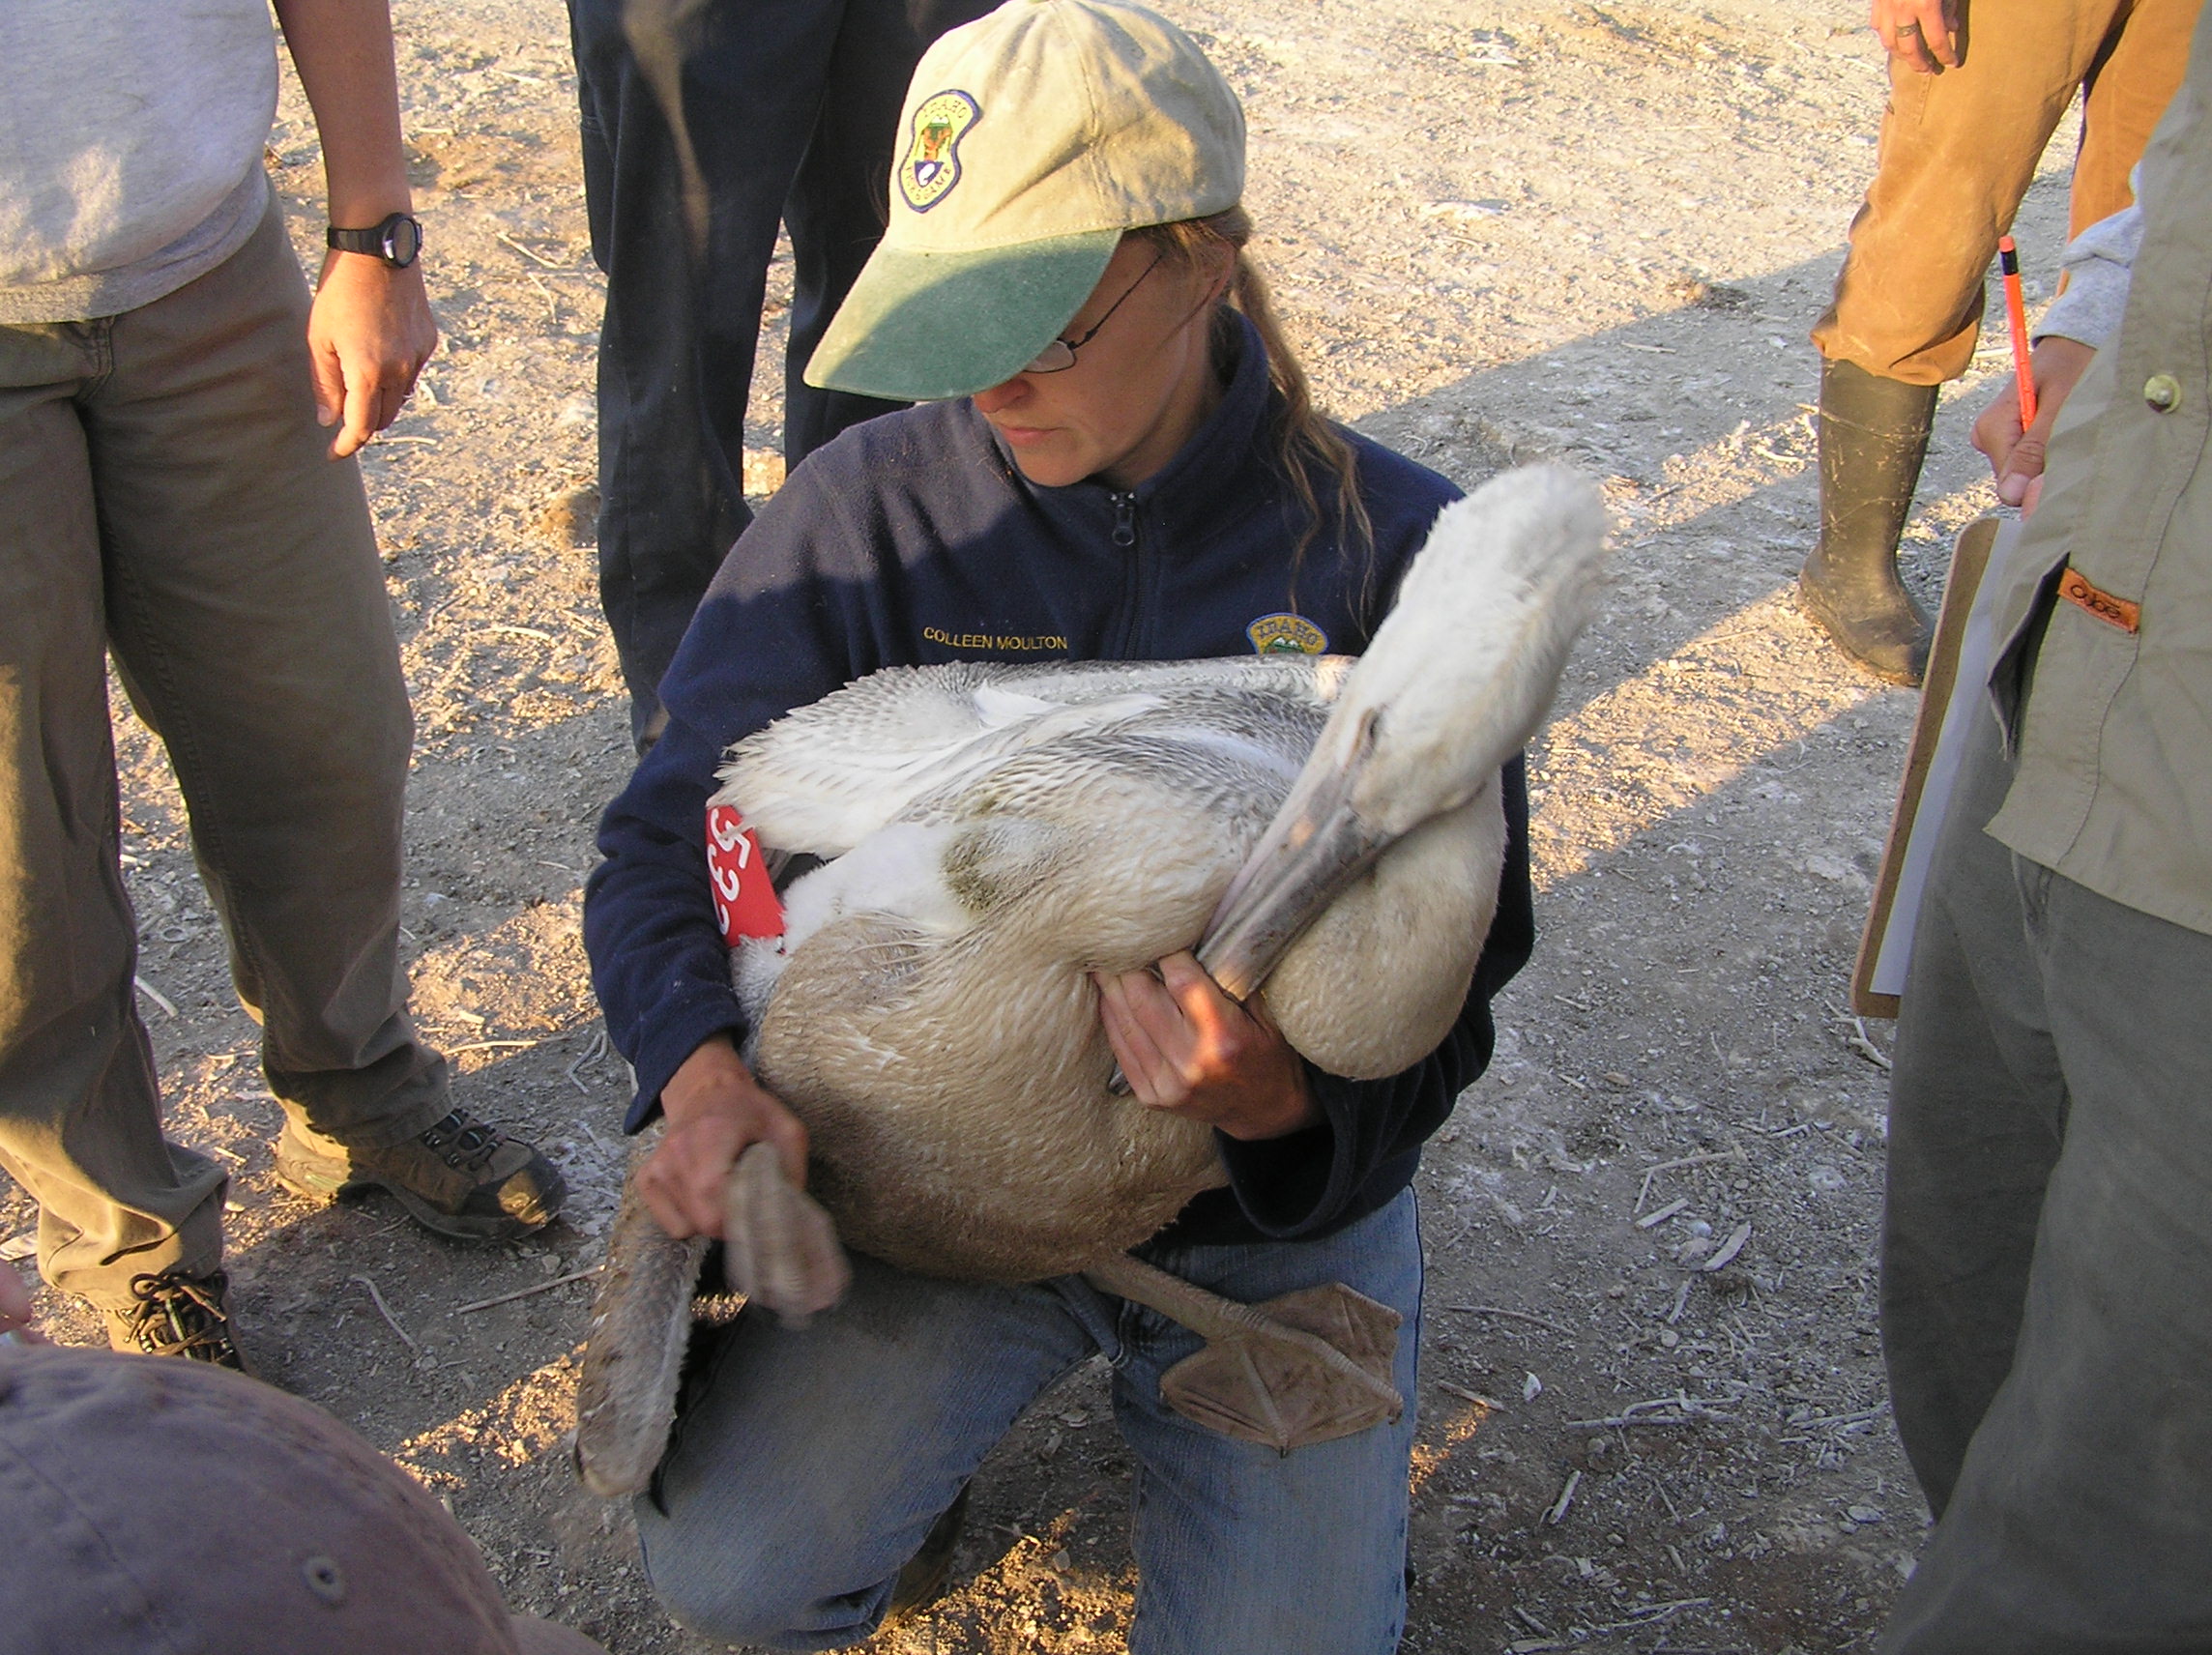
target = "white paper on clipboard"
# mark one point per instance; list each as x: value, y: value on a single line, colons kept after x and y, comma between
x: 1969, y: 701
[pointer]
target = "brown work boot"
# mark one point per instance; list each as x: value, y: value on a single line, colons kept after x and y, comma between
x: 459, y: 1177
x: 174, y: 1313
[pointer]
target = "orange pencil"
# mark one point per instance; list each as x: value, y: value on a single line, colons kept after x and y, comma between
x: 2016, y: 313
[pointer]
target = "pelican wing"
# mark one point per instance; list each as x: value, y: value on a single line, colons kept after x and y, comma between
x: 825, y: 777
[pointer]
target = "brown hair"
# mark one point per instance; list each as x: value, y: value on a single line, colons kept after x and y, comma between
x: 1303, y: 438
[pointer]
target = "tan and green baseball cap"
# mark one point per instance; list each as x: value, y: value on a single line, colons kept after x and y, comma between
x: 1030, y: 139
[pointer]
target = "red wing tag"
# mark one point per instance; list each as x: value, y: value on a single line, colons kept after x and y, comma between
x: 746, y: 903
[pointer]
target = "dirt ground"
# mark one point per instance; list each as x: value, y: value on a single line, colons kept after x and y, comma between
x: 1502, y: 229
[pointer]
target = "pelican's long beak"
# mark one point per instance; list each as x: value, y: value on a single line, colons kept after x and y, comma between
x: 1317, y: 845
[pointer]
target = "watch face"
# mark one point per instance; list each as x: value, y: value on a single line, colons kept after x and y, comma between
x: 402, y: 239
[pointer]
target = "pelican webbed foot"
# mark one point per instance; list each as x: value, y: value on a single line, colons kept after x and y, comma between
x: 633, y: 1357
x: 781, y: 1251
x: 779, y: 1247
x: 1305, y: 1368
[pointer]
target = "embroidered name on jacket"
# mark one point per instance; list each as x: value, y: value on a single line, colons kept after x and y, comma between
x: 1001, y: 643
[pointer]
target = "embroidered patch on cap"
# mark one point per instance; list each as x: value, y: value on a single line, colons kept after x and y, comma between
x: 1287, y: 635
x: 2112, y: 611
x: 932, y: 164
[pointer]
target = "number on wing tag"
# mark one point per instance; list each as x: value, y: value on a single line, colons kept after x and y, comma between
x: 746, y: 903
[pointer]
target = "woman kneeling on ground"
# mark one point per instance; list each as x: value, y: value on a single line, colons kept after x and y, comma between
x: 1115, y: 459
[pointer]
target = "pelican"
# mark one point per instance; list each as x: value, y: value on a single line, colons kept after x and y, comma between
x: 1328, y: 832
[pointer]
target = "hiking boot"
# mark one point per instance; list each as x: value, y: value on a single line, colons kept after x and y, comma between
x: 1873, y: 434
x: 922, y: 1582
x: 460, y: 1176
x: 179, y: 1315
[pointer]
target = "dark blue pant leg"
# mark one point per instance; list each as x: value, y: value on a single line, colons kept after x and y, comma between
x: 838, y: 201
x: 791, y: 106
x: 676, y: 348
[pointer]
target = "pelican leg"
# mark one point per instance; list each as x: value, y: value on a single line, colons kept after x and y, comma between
x: 1305, y: 1368
x: 779, y: 1247
x: 641, y: 1322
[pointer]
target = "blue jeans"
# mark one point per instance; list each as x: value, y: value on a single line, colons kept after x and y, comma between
x: 807, y: 1467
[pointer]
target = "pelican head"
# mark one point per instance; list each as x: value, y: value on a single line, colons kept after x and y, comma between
x: 1430, y: 711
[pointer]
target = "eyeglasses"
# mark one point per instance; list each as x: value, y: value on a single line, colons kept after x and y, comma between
x: 1059, y: 355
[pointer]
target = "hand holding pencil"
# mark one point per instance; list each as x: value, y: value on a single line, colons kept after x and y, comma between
x: 2015, y: 430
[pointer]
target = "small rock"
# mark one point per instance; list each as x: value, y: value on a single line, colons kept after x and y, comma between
x: 1669, y: 1338
x: 1463, y: 212
x: 1865, y: 1513
x: 1531, y: 1388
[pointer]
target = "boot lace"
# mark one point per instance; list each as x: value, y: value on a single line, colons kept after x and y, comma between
x: 178, y: 1315
x: 462, y: 1142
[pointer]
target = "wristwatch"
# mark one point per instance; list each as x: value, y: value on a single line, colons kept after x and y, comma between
x: 396, y: 241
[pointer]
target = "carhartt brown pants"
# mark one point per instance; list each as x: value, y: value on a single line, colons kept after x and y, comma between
x: 165, y: 494
x: 1959, y: 150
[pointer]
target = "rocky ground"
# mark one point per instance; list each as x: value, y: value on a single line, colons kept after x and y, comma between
x: 1652, y: 1405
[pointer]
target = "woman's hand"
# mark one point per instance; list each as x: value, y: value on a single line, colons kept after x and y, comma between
x: 15, y: 1307
x: 2015, y: 456
x: 716, y: 1112
x: 1922, y: 35
x: 1187, y: 1048
x: 368, y: 336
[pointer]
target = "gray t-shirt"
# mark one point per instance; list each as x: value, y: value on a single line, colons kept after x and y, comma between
x: 134, y: 137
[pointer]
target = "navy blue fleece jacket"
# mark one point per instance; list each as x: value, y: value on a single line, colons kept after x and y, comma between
x: 914, y: 539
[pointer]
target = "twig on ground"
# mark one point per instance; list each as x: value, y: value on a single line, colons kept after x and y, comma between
x: 1559, y: 1512
x: 1653, y: 1219
x: 526, y: 252
x: 525, y: 1292
x: 1642, y: 1617
x: 1681, y: 1298
x: 1864, y: 1047
x: 591, y: 1055
x: 492, y: 1046
x: 390, y: 1320
x: 1464, y: 1395
x: 1729, y: 1248
x: 1688, y: 1410
x: 156, y: 996
x: 1515, y: 1315
x: 1733, y: 1154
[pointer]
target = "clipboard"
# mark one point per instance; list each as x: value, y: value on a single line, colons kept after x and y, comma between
x: 1963, y: 652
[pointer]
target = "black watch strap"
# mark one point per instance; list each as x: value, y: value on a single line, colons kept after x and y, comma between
x: 396, y: 241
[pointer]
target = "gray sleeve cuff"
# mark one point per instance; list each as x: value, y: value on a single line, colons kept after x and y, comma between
x: 2099, y: 264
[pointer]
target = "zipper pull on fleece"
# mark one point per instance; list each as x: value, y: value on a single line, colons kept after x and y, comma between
x: 1125, y: 518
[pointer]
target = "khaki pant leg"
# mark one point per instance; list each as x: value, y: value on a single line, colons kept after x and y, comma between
x: 2083, y: 1518
x: 249, y: 619
x: 79, y: 1114
x: 1977, y: 1112
x: 1957, y: 152
x: 2127, y: 94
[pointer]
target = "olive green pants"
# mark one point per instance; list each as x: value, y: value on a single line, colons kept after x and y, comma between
x: 2046, y: 1257
x: 165, y: 494
x: 1960, y: 148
